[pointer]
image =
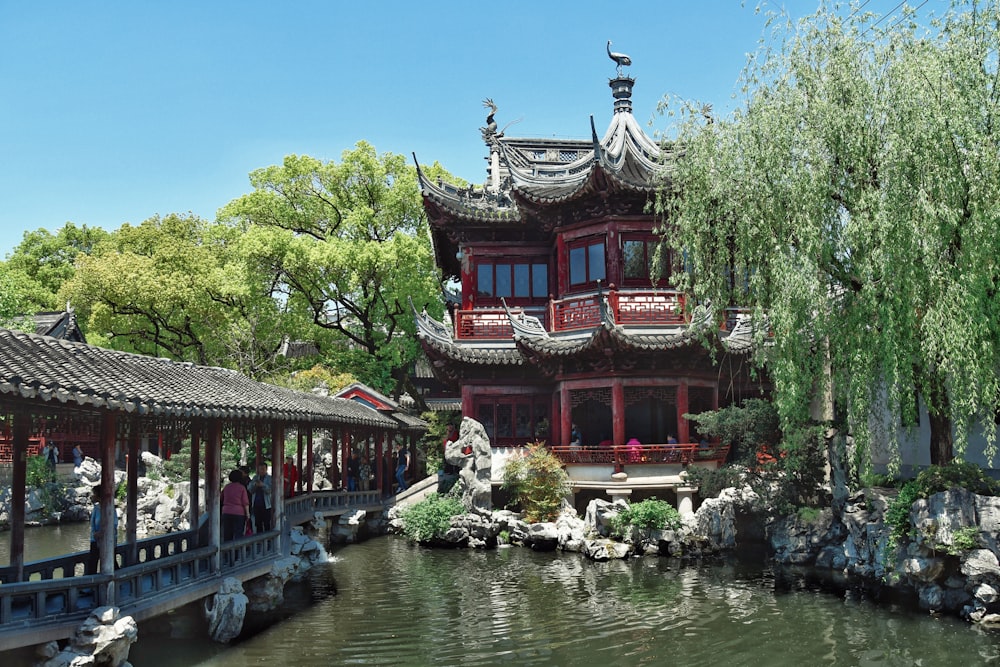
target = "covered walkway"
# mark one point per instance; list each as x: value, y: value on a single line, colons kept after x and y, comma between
x: 50, y: 386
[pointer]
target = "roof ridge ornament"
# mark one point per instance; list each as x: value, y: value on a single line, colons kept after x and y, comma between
x: 620, y: 59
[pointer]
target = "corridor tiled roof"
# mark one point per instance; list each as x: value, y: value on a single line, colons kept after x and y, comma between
x: 61, y: 372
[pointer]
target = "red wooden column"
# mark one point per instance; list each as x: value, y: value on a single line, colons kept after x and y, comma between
x: 617, y: 411
x: 194, y: 518
x: 298, y: 460
x: 468, y: 406
x: 683, y: 432
x: 565, y: 416
x: 555, y: 423
x: 213, y: 487
x: 20, y: 432
x: 309, y: 459
x: 132, y: 492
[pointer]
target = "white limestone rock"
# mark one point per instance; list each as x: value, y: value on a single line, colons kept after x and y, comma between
x: 104, y: 639
x: 227, y: 611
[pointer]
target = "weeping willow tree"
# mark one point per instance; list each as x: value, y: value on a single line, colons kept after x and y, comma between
x: 853, y: 200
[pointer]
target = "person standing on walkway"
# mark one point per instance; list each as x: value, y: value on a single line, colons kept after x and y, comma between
x: 353, y: 471
x: 291, y: 475
x: 235, y: 507
x: 260, y: 499
x: 402, y: 465
x: 77, y: 456
x: 365, y: 472
x: 51, y: 454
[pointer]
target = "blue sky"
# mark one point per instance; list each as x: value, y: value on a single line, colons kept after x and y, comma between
x: 114, y: 111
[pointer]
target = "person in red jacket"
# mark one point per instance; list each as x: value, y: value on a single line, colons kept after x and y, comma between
x: 291, y: 475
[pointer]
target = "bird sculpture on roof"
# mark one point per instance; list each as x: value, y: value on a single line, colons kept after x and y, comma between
x: 620, y: 58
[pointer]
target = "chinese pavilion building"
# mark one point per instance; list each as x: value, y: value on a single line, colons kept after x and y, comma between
x: 565, y: 316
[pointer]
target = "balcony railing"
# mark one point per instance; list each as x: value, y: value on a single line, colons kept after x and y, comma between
x: 627, y: 307
x: 623, y: 455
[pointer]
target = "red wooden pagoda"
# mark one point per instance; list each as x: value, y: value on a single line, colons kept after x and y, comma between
x: 564, y: 317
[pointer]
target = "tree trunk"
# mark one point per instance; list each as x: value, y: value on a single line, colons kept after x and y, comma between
x: 942, y: 445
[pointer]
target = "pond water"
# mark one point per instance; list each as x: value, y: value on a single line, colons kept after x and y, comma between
x: 387, y: 602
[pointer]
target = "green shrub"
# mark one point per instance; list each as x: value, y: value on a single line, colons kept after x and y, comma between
x: 963, y: 539
x: 745, y: 428
x: 956, y: 474
x: 38, y: 472
x: 651, y: 514
x: 711, y: 482
x: 872, y: 479
x: 897, y: 515
x: 431, y: 517
x: 537, y: 482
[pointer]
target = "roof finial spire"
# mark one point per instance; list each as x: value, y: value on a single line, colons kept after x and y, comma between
x: 620, y: 58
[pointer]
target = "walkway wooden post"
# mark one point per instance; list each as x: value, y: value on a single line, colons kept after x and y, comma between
x: 278, y: 481
x: 194, y: 518
x: 132, y: 492
x: 20, y: 433
x: 213, y: 462
x: 380, y: 481
x: 309, y: 459
x: 109, y: 536
x: 299, y: 435
x: 345, y: 452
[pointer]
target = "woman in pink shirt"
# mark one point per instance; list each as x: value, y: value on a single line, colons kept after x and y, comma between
x: 235, y: 507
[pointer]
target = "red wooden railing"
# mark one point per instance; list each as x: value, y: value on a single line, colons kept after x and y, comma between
x: 641, y: 308
x: 631, y: 307
x: 623, y: 455
x: 483, y: 324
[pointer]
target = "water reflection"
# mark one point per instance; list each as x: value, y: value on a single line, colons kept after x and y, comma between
x: 386, y: 602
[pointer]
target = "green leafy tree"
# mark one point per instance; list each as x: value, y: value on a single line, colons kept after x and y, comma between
x: 178, y: 286
x: 851, y: 199
x: 46, y: 261
x: 15, y: 300
x: 347, y: 243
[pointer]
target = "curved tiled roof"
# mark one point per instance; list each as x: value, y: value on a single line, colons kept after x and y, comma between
x: 74, y: 374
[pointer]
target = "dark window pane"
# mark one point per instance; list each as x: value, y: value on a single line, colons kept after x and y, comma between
x: 539, y: 281
x: 596, y: 263
x: 577, y: 266
x: 484, y: 280
x: 485, y: 416
x: 522, y: 281
x: 503, y: 280
x: 523, y: 426
x: 505, y: 426
x: 635, y: 260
